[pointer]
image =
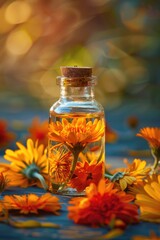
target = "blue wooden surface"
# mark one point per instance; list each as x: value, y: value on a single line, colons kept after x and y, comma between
x: 148, y: 115
x: 67, y: 230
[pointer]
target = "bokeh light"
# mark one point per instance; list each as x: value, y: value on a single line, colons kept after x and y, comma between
x: 18, y: 42
x: 18, y: 12
x: 119, y: 39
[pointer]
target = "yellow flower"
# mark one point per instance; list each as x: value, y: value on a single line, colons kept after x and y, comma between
x: 39, y: 131
x: 149, y: 201
x: 138, y: 169
x: 139, y: 186
x: 152, y: 135
x: 28, y: 165
x: 76, y: 134
x: 31, y: 203
x: 126, y: 180
x: 133, y: 174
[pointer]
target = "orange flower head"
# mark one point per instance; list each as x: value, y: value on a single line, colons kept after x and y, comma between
x: 139, y: 186
x: 5, y: 136
x: 60, y: 164
x: 39, y: 131
x: 28, y: 165
x: 31, y: 203
x: 102, y: 206
x: 86, y: 173
x: 152, y: 136
x: 149, y: 200
x: 76, y: 134
x: 133, y: 174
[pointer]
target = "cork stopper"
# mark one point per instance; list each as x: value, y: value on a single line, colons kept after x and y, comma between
x: 76, y: 72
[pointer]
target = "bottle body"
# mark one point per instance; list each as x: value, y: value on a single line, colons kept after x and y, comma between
x: 76, y: 149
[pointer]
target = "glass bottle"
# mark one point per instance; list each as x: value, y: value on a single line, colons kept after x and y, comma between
x: 76, y: 146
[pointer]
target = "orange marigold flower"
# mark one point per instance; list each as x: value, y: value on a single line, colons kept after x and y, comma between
x: 86, y: 173
x: 39, y: 131
x: 139, y: 187
x: 28, y: 165
x: 132, y: 174
x: 138, y: 169
x: 102, y: 206
x: 149, y: 201
x: 31, y: 203
x: 5, y: 136
x: 76, y: 134
x: 152, y: 135
x: 59, y: 165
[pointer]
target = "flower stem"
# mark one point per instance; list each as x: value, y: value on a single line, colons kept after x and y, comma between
x: 41, y: 179
x: 115, y: 176
x: 75, y: 151
x: 74, y: 164
x: 108, y: 175
x: 156, y: 156
x: 155, y: 164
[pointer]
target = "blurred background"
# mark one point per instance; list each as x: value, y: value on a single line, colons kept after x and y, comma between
x: 119, y: 39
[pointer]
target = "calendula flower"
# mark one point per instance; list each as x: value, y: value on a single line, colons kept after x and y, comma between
x: 39, y: 131
x: 5, y: 136
x: 86, y: 173
x: 139, y: 186
x: 59, y: 165
x: 152, y: 236
x: 149, y: 201
x: 76, y: 134
x: 152, y: 135
x: 28, y: 165
x: 29, y: 206
x: 102, y: 206
x: 32, y: 203
x: 132, y: 174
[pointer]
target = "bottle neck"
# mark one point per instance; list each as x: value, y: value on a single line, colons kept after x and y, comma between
x: 76, y: 88
x: 71, y: 93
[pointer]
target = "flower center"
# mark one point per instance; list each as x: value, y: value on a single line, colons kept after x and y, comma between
x: 89, y: 176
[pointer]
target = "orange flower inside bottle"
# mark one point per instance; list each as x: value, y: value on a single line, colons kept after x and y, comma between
x: 76, y: 129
